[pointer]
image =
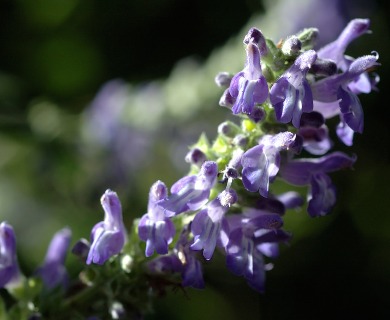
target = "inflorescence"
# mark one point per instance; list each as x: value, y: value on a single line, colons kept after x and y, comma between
x: 283, y: 98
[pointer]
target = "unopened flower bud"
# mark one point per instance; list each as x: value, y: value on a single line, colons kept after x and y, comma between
x: 223, y: 79
x: 255, y: 35
x: 81, y: 248
x: 240, y: 140
x: 292, y: 46
x: 196, y: 157
x: 228, y: 129
x: 257, y: 114
x: 226, y: 99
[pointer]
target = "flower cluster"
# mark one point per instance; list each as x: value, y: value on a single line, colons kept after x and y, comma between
x: 230, y: 202
x: 283, y: 97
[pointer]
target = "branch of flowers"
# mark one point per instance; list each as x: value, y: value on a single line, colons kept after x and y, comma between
x: 283, y: 96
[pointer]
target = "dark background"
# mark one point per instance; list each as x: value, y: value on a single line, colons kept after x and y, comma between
x: 58, y: 54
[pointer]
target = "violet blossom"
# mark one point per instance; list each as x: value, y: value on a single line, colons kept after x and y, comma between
x: 322, y: 195
x: 336, y: 51
x: 291, y: 94
x: 53, y: 271
x: 335, y: 88
x: 312, y: 171
x: 210, y: 227
x: 191, y: 192
x: 154, y: 227
x: 182, y: 260
x: 261, y: 163
x: 361, y: 83
x: 249, y: 87
x: 108, y: 236
x: 9, y: 268
x: 245, y: 250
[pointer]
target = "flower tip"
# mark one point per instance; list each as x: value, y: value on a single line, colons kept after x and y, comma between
x: 107, y: 195
x: 209, y: 168
x: 223, y: 79
x: 65, y: 232
x: 360, y: 25
x: 158, y: 191
x: 253, y: 34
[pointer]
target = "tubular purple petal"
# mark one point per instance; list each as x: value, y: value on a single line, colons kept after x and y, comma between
x: 249, y: 87
x: 9, y: 268
x: 109, y: 236
x: 291, y: 94
x: 191, y: 192
x: 53, y: 271
x: 154, y: 227
x: 300, y: 171
x: 208, y: 227
x: 322, y: 196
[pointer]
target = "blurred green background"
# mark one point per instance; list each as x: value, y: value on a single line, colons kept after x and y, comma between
x: 98, y: 94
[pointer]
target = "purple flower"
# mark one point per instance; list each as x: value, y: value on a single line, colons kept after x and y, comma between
x: 299, y: 171
x: 230, y: 173
x: 291, y: 94
x: 249, y: 87
x: 322, y: 194
x: 248, y: 242
x: 261, y: 163
x: 210, y: 227
x: 226, y: 99
x: 154, y: 227
x: 191, y: 192
x: 335, y: 88
x: 192, y: 274
x: 9, y: 268
x: 336, y: 49
x: 183, y: 261
x: 165, y: 264
x: 109, y: 236
x: 359, y: 83
x: 245, y: 260
x: 53, y: 271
